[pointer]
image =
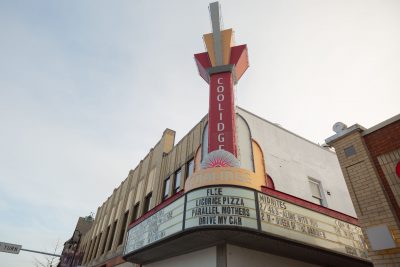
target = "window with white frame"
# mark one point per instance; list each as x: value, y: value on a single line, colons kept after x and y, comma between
x: 147, y: 203
x: 177, y: 181
x: 316, y: 192
x: 190, y: 168
x: 135, y: 211
x: 166, y: 189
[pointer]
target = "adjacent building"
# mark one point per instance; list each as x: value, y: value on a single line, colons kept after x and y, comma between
x: 72, y: 253
x: 370, y: 161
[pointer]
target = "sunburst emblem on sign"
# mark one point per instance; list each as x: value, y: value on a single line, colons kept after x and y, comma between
x: 220, y: 158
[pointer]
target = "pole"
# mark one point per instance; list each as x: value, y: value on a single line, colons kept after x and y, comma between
x: 40, y: 252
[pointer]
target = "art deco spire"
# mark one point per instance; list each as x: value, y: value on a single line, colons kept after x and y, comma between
x: 221, y: 66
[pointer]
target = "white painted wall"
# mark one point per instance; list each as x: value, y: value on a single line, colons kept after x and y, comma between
x: 245, y: 151
x: 243, y: 140
x: 202, y: 258
x: 240, y: 257
x: 290, y: 160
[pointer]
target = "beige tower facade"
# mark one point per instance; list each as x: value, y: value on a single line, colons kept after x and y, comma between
x: 369, y: 159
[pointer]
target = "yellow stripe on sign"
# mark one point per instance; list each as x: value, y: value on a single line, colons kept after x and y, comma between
x: 227, y: 43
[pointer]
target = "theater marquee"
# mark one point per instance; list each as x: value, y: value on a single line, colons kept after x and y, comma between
x: 289, y: 220
x: 228, y: 207
x: 160, y: 225
x: 221, y: 206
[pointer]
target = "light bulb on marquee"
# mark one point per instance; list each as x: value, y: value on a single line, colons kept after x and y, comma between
x: 221, y: 67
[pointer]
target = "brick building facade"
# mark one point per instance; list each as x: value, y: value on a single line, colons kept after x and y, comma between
x: 369, y: 158
x: 72, y: 254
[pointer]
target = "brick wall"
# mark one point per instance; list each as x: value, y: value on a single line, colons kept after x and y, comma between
x: 366, y: 190
x: 381, y: 142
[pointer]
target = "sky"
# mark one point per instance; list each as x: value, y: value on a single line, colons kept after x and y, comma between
x: 88, y: 87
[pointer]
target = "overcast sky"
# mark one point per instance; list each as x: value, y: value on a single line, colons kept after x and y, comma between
x: 87, y: 88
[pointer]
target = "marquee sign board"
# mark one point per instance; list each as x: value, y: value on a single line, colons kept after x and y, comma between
x: 227, y: 206
x: 238, y: 207
x: 160, y: 225
x: 295, y: 222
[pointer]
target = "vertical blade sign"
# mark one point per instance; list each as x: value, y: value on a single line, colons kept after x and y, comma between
x: 221, y: 120
x: 221, y: 66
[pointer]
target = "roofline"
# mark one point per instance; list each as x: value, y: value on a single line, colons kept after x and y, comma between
x: 381, y: 125
x: 363, y: 131
x: 280, y: 127
x: 345, y: 132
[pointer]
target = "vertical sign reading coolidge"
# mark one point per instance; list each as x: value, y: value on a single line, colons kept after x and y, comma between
x: 289, y: 220
x: 163, y: 223
x: 221, y: 118
x: 227, y: 206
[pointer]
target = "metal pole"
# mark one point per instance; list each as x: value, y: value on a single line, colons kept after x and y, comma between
x: 41, y: 252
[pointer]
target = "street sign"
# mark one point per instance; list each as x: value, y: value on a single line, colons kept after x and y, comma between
x: 10, y: 248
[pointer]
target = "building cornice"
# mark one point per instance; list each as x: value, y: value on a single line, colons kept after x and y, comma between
x: 344, y: 132
x: 381, y: 125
